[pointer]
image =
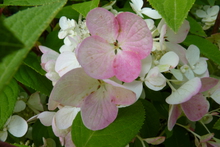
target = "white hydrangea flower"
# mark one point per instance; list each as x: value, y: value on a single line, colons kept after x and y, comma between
x: 67, y: 26
x: 16, y: 125
x: 136, y: 5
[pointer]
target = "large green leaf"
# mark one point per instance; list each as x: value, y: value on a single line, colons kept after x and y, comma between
x: 28, y: 2
x: 117, y: 134
x: 8, y: 98
x: 27, y: 25
x: 173, y: 11
x: 195, y: 27
x: 206, y: 47
x: 84, y: 8
x: 34, y: 80
x: 9, y: 42
x: 151, y: 123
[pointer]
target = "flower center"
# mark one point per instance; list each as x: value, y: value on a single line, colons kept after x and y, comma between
x: 116, y: 47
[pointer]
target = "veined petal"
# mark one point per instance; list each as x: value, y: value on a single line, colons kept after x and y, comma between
x: 59, y: 132
x: 72, y: 88
x: 97, y: 110
x: 66, y: 62
x: 65, y: 116
x: 151, y: 13
x: 196, y: 107
x: 180, y: 35
x: 134, y: 35
x: 96, y: 56
x: 174, y: 113
x: 102, y: 23
x: 185, y: 92
x: 127, y: 66
x: 192, y: 55
x: 17, y: 126
x: 46, y: 118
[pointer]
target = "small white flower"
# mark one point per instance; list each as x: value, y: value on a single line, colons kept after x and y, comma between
x: 67, y: 26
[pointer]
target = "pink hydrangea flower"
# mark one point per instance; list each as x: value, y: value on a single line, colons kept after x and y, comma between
x: 98, y: 99
x: 116, y: 45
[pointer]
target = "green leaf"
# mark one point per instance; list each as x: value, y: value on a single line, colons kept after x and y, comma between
x: 195, y: 27
x: 151, y: 123
x: 53, y: 42
x: 217, y: 125
x: 33, y: 61
x: 206, y: 47
x: 84, y: 8
x: 9, y: 42
x: 27, y: 25
x: 173, y: 11
x: 8, y: 98
x: 215, y: 39
x: 69, y: 12
x: 117, y: 134
x: 28, y: 2
x: 34, y: 80
x: 180, y: 138
x: 39, y: 131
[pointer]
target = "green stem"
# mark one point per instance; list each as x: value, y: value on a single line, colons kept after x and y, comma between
x: 205, y: 127
x: 188, y: 130
x: 142, y: 142
x: 171, y: 86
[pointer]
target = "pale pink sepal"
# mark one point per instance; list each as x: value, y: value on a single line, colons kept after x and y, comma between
x: 98, y: 111
x: 102, y: 23
x: 208, y: 83
x: 68, y: 140
x: 155, y: 140
x: 134, y: 35
x: 72, y: 88
x: 174, y: 113
x: 46, y: 118
x: 206, y: 137
x: 196, y: 107
x: 185, y: 92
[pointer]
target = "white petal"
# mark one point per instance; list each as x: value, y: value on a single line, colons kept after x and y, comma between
x: 138, y: 3
x: 177, y: 74
x: 213, y: 11
x: 65, y: 116
x: 46, y: 117
x: 19, y: 106
x: 192, y: 55
x: 66, y: 62
x: 150, y: 23
x: 185, y: 92
x: 189, y: 74
x: 34, y: 102
x: 146, y: 65
x: 171, y: 59
x: 17, y: 126
x: 135, y: 86
x: 63, y: 23
x: 201, y: 66
x: 3, y: 135
x: 151, y: 13
x: 201, y: 13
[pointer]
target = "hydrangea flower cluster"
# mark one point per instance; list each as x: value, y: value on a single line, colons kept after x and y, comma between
x: 106, y: 59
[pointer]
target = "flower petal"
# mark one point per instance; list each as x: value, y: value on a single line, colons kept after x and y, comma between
x: 208, y: 83
x: 201, y: 66
x: 65, y: 116
x: 146, y: 65
x: 196, y: 107
x: 192, y: 55
x: 174, y: 113
x: 134, y: 35
x: 72, y: 88
x: 127, y: 66
x: 46, y: 117
x: 185, y: 92
x: 96, y: 56
x: 98, y: 111
x: 3, y: 135
x: 171, y: 59
x: 102, y: 23
x: 151, y: 13
x: 34, y: 102
x: 155, y: 140
x: 135, y: 86
x: 17, y: 126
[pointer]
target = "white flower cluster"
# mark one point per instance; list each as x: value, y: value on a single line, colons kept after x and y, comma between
x: 208, y: 15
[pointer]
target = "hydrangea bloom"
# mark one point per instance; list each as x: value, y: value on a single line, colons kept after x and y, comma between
x: 116, y: 45
x: 98, y: 99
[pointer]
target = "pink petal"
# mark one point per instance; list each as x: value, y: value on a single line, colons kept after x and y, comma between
x: 98, y: 111
x: 134, y: 34
x: 208, y: 83
x: 127, y: 66
x: 185, y: 92
x: 96, y: 56
x: 72, y: 88
x: 68, y: 140
x: 155, y: 140
x: 206, y: 137
x: 180, y: 35
x: 174, y: 113
x: 102, y: 23
x: 196, y: 107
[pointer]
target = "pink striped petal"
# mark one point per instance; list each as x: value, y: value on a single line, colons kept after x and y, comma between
x: 185, y: 92
x: 96, y: 56
x: 127, y: 66
x: 174, y: 113
x: 102, y: 23
x: 98, y: 111
x: 134, y: 35
x: 72, y: 88
x: 196, y: 107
